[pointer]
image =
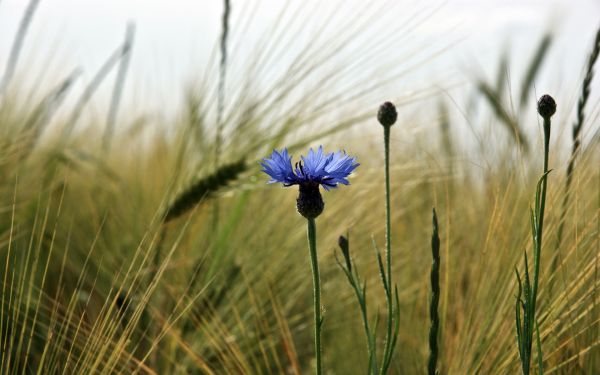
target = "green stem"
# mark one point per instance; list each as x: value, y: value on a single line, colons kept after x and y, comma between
x: 360, y: 292
x: 388, y: 240
x: 530, y: 317
x: 370, y: 343
x: 388, y: 258
x: 363, y: 311
x: 312, y: 246
x: 540, y: 228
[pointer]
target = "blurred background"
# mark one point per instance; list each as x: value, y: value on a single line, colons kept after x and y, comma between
x: 174, y: 40
x: 138, y: 235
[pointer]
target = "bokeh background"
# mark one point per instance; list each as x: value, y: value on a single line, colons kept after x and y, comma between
x: 175, y: 40
x: 138, y: 235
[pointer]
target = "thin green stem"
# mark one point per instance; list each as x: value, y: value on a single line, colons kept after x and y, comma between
x: 370, y: 342
x: 540, y: 227
x: 360, y: 293
x: 388, y: 257
x: 312, y: 247
x: 388, y: 238
x: 525, y: 333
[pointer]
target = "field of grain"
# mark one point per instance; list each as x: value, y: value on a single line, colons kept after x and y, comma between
x: 137, y: 243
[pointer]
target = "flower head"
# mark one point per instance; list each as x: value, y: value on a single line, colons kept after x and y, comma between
x: 317, y: 168
x: 546, y: 106
x: 387, y: 114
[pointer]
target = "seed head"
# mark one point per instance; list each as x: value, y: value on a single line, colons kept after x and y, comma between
x: 387, y: 114
x: 546, y: 106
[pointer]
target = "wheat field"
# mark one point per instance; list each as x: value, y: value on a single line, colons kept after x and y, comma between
x: 153, y: 245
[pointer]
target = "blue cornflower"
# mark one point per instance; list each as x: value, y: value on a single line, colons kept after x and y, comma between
x: 324, y: 169
x: 317, y: 168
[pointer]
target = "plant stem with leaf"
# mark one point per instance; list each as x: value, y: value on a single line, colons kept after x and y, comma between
x: 387, y: 116
x: 528, y: 324
x: 360, y: 291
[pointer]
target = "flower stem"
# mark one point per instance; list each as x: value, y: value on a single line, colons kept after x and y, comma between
x: 388, y: 258
x: 388, y: 240
x: 360, y: 290
x: 528, y: 325
x: 312, y: 246
x: 540, y: 228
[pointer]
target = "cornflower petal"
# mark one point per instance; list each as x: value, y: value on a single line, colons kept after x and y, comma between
x: 279, y: 168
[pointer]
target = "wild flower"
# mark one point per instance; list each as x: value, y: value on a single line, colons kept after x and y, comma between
x: 317, y: 168
x: 314, y: 170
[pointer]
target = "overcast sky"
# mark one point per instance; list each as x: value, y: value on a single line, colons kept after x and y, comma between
x: 174, y: 38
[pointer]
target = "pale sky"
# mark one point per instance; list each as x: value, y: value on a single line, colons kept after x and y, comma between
x: 174, y: 38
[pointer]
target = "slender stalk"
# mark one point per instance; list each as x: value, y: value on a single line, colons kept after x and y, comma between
x: 18, y: 42
x: 540, y: 227
x: 222, y: 77
x: 146, y: 319
x: 528, y: 325
x: 388, y: 256
x: 312, y: 247
x: 538, y: 247
x: 360, y: 291
x: 388, y: 239
x: 435, y: 298
x: 115, y: 100
x: 91, y: 88
x: 221, y: 101
x: 387, y: 116
x: 372, y: 349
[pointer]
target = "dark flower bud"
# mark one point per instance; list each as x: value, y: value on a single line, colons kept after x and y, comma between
x: 343, y: 244
x: 546, y: 106
x: 345, y: 247
x: 310, y: 203
x: 387, y: 114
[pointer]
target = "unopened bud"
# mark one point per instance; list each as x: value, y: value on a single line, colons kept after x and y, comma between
x: 546, y: 106
x: 387, y: 114
x: 345, y: 247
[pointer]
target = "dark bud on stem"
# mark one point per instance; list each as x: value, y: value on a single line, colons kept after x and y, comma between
x: 345, y: 247
x: 343, y: 244
x: 310, y: 203
x: 546, y: 106
x: 387, y: 114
